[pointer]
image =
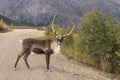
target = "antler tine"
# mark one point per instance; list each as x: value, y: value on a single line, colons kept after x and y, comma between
x: 73, y: 23
x: 54, y: 31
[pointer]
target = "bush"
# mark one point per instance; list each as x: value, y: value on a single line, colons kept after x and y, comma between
x: 100, y: 37
x: 97, y: 43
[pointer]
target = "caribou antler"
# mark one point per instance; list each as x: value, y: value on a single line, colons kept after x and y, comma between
x: 54, y: 31
x: 73, y: 23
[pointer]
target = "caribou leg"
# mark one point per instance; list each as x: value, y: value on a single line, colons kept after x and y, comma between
x: 25, y: 59
x: 48, y: 60
x: 18, y: 58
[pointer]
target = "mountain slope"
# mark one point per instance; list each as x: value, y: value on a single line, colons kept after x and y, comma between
x: 8, y: 21
x: 116, y: 1
x: 40, y: 12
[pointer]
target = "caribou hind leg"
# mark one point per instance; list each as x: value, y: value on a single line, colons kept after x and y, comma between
x: 25, y: 59
x: 18, y: 58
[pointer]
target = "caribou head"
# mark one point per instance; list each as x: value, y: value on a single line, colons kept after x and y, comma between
x: 60, y: 37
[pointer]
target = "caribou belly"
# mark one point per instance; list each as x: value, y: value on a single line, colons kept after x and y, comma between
x: 37, y: 51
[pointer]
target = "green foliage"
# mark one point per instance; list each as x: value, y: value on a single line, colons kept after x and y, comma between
x: 97, y: 43
x: 68, y: 46
x: 68, y: 39
x: 100, y: 37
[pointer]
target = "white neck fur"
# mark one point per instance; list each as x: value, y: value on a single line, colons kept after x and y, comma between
x: 56, y: 47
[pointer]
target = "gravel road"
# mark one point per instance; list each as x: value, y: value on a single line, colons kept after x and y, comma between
x: 61, y: 68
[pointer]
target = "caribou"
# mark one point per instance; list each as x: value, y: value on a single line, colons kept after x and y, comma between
x: 46, y: 47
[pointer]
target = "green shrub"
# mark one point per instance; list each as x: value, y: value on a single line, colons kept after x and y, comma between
x: 68, y: 46
x: 97, y: 43
x: 100, y: 37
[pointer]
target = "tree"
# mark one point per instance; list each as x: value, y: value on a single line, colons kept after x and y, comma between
x: 100, y: 37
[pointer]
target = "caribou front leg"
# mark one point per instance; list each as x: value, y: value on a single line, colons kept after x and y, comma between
x: 48, y: 60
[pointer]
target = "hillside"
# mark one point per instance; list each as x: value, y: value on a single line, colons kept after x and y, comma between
x: 40, y: 12
x: 8, y: 21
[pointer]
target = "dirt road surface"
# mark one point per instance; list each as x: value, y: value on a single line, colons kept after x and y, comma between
x: 61, y: 68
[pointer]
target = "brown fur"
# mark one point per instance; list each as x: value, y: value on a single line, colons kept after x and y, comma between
x: 38, y: 46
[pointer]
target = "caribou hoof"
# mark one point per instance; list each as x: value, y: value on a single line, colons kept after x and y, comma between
x: 49, y: 70
x: 14, y: 69
x: 29, y: 69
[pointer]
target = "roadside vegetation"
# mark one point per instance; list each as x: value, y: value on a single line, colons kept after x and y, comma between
x: 100, y: 38
x: 95, y: 43
x: 4, y: 27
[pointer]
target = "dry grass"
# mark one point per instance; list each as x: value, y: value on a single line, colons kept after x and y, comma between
x: 29, y: 27
x: 4, y: 27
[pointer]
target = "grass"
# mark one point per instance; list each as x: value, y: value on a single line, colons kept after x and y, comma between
x: 4, y: 27
x: 73, y: 51
x: 118, y: 78
x: 27, y: 27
